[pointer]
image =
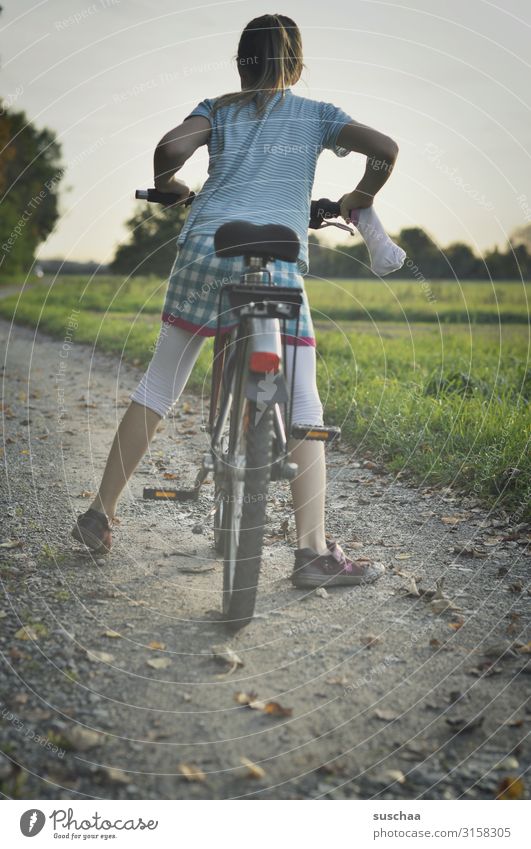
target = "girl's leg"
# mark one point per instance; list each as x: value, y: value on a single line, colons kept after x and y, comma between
x: 160, y: 387
x: 308, y: 489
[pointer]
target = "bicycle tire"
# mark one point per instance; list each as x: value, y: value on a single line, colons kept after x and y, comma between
x: 240, y: 579
x: 221, y: 497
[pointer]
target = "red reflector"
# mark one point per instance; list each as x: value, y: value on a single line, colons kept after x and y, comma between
x: 264, y: 361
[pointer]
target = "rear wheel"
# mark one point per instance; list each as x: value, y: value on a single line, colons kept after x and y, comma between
x: 244, y: 512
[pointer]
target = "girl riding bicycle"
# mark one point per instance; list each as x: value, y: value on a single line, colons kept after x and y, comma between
x: 263, y: 142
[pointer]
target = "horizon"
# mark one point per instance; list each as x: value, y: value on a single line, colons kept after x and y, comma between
x: 463, y: 142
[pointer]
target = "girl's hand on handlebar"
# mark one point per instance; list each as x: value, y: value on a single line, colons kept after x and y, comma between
x: 173, y: 186
x: 354, y: 200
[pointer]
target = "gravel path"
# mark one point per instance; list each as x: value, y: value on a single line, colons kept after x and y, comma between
x: 109, y: 685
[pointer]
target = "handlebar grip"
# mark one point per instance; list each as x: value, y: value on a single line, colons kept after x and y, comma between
x: 154, y: 196
x: 321, y: 209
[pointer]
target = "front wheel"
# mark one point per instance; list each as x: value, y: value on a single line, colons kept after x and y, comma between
x: 244, y: 513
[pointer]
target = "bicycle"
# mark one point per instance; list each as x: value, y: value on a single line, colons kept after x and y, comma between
x: 248, y: 431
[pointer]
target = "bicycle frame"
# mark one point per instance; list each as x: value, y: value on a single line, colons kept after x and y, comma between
x: 258, y: 329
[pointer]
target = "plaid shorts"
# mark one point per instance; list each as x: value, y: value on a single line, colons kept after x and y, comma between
x: 192, y: 297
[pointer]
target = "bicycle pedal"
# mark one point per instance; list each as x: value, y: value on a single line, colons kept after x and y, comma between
x: 163, y: 494
x: 316, y: 432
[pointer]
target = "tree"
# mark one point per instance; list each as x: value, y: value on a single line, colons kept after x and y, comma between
x: 463, y: 264
x: 151, y: 247
x: 30, y: 173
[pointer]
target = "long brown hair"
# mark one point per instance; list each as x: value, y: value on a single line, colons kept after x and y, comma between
x: 269, y: 60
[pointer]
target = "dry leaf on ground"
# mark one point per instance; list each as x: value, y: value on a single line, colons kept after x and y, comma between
x: 99, y: 656
x: 28, y: 632
x: 83, y: 739
x: 271, y: 708
x: 253, y: 770
x: 385, y: 715
x: 159, y: 662
x: 510, y: 787
x: 191, y: 772
x: 118, y: 776
x: 224, y: 654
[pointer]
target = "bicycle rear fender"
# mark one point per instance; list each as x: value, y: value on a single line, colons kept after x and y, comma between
x: 268, y: 387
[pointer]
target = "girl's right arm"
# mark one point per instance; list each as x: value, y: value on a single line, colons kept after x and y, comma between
x: 381, y: 152
x: 174, y: 149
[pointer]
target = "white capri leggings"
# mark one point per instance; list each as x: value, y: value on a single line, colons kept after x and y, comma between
x: 174, y: 358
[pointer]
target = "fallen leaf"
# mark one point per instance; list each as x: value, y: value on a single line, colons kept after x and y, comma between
x: 85, y: 493
x: 455, y: 626
x: 154, y: 644
x: 485, y: 669
x: 244, y: 698
x: 99, y: 656
x: 159, y: 662
x: 83, y: 739
x: 30, y: 632
x: 275, y: 709
x: 464, y: 726
x: 113, y: 635
x: 441, y: 605
x: 169, y: 476
x: 514, y: 624
x: 510, y: 787
x: 11, y: 543
x: 451, y: 520
x: 412, y: 590
x: 271, y: 708
x: 118, y: 776
x: 526, y: 649
x: 253, y: 770
x: 224, y: 654
x: 370, y: 640
x: 403, y: 556
x: 396, y: 775
x: 191, y: 772
x: 385, y: 715
x: 342, y: 681
x: 503, y: 648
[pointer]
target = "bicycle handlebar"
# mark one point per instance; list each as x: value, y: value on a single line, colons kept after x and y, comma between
x: 154, y: 196
x: 320, y: 210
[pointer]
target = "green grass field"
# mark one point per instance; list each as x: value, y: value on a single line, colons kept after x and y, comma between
x: 432, y: 379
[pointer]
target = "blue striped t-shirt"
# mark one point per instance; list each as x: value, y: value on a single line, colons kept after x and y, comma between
x: 262, y: 169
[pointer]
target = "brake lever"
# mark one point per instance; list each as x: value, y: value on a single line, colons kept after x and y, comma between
x: 339, y: 225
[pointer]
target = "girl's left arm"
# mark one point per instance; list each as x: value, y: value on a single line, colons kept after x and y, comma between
x: 174, y: 149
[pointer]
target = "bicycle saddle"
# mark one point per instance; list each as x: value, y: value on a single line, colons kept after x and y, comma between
x: 269, y: 241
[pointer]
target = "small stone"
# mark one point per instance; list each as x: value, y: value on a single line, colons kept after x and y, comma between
x: 321, y: 592
x: 508, y: 763
x: 101, y: 561
x: 197, y: 529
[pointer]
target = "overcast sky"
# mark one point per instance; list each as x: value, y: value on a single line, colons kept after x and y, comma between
x: 449, y: 81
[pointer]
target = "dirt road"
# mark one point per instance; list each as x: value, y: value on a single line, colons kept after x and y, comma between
x: 109, y: 686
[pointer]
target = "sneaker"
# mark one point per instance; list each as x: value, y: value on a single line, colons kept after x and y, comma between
x: 333, y: 569
x: 93, y: 530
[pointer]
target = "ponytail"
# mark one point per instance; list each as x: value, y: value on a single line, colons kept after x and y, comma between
x: 269, y: 60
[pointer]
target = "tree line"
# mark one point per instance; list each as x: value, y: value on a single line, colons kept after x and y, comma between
x: 150, y: 249
x: 31, y: 172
